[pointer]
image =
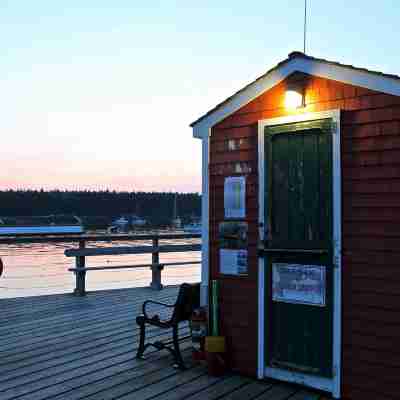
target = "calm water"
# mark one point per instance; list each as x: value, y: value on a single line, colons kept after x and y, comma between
x: 38, y: 269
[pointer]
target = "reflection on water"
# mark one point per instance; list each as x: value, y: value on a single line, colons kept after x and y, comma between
x: 42, y: 268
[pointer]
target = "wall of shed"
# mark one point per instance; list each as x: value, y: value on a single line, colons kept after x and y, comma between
x: 370, y: 129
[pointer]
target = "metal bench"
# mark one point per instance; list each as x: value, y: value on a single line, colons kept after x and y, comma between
x: 168, y: 316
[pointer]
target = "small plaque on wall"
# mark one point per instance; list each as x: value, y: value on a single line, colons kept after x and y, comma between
x: 298, y: 283
x: 235, y: 197
x: 233, y: 262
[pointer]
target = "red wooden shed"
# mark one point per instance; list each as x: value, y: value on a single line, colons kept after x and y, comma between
x: 301, y: 226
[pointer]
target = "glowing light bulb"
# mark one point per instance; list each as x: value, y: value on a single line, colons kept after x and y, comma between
x: 293, y: 99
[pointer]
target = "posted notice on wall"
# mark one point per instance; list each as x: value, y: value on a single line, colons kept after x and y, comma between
x: 298, y: 283
x: 233, y: 262
x: 235, y: 197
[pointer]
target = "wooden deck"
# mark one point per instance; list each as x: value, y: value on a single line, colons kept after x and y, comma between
x: 65, y: 347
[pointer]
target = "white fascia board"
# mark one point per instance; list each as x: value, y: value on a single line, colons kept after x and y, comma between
x: 352, y: 76
x: 340, y: 73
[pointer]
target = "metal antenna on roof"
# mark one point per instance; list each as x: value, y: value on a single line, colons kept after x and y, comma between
x: 305, y: 26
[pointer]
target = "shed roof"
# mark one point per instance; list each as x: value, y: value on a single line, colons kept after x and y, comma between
x: 297, y: 61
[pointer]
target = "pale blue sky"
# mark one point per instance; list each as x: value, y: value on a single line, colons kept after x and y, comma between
x: 99, y: 94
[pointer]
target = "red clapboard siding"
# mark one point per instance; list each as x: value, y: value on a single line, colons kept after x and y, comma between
x: 371, y: 144
x: 364, y: 379
x: 385, y: 301
x: 353, y: 392
x: 372, y: 314
x: 367, y: 173
x: 372, y: 158
x: 372, y: 200
x: 370, y: 129
x: 384, y: 345
x: 371, y: 214
x: 385, y: 260
x: 372, y: 115
x: 368, y: 357
x: 364, y: 228
x: 378, y: 286
x: 371, y: 242
x: 379, y: 273
x: 372, y: 186
x: 232, y: 156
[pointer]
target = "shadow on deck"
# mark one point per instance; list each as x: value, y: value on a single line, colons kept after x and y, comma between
x: 66, y: 347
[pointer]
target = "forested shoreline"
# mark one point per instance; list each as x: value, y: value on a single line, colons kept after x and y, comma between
x: 100, y: 207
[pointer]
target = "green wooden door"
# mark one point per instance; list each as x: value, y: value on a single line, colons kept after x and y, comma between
x: 298, y: 246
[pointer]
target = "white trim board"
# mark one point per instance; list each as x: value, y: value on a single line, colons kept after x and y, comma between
x: 261, y: 263
x: 261, y: 319
x: 332, y: 385
x: 205, y: 273
x: 319, y: 68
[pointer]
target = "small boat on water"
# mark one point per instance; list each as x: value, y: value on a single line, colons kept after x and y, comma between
x: 119, y: 225
x: 124, y: 223
x: 138, y: 221
x: 51, y: 224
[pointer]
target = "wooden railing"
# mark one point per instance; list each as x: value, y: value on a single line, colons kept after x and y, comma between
x: 83, y: 251
x: 63, y: 238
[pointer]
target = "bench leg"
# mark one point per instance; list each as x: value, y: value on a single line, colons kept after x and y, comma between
x: 140, y: 351
x: 177, y: 352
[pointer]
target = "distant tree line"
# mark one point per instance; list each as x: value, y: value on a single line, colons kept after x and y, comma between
x: 100, y: 207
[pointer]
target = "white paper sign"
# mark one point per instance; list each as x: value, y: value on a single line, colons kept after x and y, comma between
x: 298, y: 283
x: 235, y: 197
x: 233, y: 262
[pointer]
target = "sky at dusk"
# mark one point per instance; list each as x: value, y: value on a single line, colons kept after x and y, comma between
x: 100, y: 94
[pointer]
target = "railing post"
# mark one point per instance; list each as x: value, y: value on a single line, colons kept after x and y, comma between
x: 156, y: 268
x: 80, y: 276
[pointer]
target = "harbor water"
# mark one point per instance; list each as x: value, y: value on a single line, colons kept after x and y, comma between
x: 42, y: 268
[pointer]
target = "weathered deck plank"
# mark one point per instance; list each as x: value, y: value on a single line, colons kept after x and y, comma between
x: 51, y: 367
x: 63, y: 348
x: 249, y: 391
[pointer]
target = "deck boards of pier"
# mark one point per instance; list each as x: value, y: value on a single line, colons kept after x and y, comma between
x: 65, y: 347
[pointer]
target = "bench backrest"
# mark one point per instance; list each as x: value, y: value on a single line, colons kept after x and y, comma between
x: 188, y: 300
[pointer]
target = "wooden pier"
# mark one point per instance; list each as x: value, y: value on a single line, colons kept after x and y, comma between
x: 67, y: 347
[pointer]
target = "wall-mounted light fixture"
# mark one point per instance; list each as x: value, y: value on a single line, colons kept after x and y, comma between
x: 294, y: 95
